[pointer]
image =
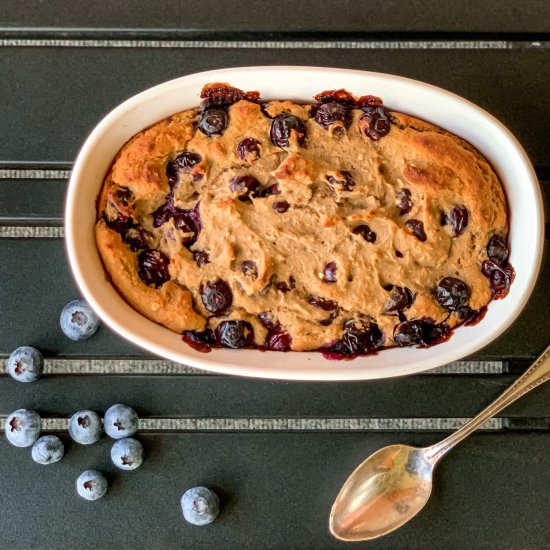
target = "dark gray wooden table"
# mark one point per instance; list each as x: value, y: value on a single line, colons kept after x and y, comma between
x: 275, y: 452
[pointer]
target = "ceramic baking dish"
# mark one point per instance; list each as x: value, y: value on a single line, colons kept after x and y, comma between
x: 300, y: 84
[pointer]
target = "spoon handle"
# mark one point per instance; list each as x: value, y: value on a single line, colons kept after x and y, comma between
x: 535, y: 375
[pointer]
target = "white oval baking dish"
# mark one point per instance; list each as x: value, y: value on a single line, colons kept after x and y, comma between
x: 301, y: 83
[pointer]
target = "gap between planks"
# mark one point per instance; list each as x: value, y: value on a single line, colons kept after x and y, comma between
x: 273, y: 44
x: 287, y: 424
x: 161, y: 368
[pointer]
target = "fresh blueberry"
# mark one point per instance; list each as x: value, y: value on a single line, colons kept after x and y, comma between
x: 23, y: 427
x: 78, y: 320
x: 127, y: 454
x: 120, y: 421
x: 91, y: 485
x: 26, y: 364
x: 85, y: 427
x: 200, y: 506
x: 48, y: 449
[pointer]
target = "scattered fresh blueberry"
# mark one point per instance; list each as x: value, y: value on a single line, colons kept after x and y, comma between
x: 23, y: 427
x: 235, y: 334
x: 78, y: 321
x: 213, y: 122
x: 200, y: 506
x: 216, y: 296
x: 48, y: 449
x: 26, y: 364
x: 283, y: 127
x: 85, y: 427
x: 120, y: 421
x: 153, y: 268
x: 127, y: 454
x: 451, y: 293
x: 366, y: 232
x: 91, y: 485
x: 374, y: 122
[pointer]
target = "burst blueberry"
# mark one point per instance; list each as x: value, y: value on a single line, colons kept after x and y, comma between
x: 23, y: 427
x: 78, y: 321
x: 48, y: 450
x: 127, y: 453
x: 200, y: 506
x: 26, y: 364
x: 120, y: 421
x: 85, y: 427
x: 91, y: 485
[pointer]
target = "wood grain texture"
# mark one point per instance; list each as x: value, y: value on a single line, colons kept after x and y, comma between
x: 276, y: 491
x: 43, y: 78
x: 283, y: 16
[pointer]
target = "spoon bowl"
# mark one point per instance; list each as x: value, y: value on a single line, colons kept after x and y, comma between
x: 394, y: 484
x: 384, y: 492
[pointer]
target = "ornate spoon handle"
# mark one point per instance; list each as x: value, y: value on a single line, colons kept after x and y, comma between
x: 535, y: 375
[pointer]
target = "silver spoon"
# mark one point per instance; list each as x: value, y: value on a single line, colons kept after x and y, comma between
x: 391, y: 486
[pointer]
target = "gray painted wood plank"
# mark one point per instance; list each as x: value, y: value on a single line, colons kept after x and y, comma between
x: 433, y: 396
x: 276, y: 491
x: 35, y: 284
x: 283, y: 16
x: 91, y: 81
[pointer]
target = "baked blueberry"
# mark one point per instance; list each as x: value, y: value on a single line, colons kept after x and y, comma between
x: 248, y: 149
x: 281, y: 206
x: 416, y: 227
x: 85, y: 427
x: 451, y: 293
x: 283, y: 127
x: 366, y: 232
x: 343, y: 183
x: 91, y: 485
x: 497, y: 250
x: 153, y: 268
x: 360, y: 337
x: 182, y: 163
x: 458, y: 220
x: 249, y: 269
x: 235, y: 334
x: 330, y: 113
x: 200, y: 506
x: 404, y: 201
x: 78, y: 320
x: 120, y: 421
x: 47, y: 450
x: 202, y: 341
x: 244, y: 187
x: 400, y: 298
x: 26, y: 364
x: 421, y: 332
x: 201, y: 257
x: 127, y: 453
x: 213, y: 122
x: 216, y: 296
x: 329, y: 273
x: 22, y: 427
x: 374, y: 123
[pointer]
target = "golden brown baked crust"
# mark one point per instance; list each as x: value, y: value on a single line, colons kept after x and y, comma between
x: 287, y: 256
